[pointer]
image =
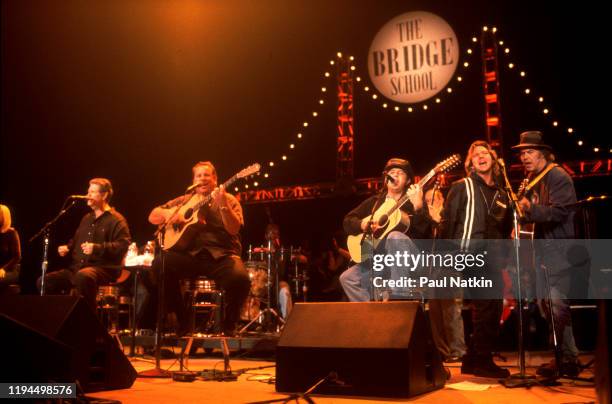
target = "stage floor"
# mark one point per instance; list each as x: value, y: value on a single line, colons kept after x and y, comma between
x: 253, y: 386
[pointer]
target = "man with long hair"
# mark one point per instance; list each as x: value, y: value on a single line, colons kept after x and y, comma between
x: 476, y: 209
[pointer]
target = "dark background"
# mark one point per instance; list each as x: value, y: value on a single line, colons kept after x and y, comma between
x: 138, y: 91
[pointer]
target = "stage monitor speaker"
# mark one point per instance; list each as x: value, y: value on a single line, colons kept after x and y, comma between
x: 59, y: 338
x: 363, y: 349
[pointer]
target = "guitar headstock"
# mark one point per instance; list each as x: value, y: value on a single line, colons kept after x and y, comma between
x: 448, y: 164
x: 250, y: 170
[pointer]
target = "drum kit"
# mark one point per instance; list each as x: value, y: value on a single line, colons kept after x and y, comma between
x: 268, y: 268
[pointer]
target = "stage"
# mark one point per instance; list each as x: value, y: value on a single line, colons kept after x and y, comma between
x: 253, y: 386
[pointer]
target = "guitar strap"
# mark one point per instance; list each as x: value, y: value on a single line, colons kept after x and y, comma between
x: 539, y: 177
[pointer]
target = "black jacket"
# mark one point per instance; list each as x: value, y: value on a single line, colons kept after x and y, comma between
x: 475, y: 210
x: 552, y: 208
x: 420, y: 221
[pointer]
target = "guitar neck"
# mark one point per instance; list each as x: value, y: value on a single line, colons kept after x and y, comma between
x: 400, y: 202
x: 209, y: 196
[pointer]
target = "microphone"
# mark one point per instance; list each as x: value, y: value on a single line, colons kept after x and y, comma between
x: 192, y: 187
x: 78, y: 197
x: 390, y: 178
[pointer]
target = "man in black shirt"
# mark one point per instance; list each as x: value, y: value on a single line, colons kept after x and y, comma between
x: 356, y: 281
x: 97, y: 248
x: 214, y: 251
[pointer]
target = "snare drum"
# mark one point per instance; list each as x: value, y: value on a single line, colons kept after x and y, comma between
x: 258, y: 274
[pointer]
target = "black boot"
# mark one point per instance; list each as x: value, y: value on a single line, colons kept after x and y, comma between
x: 484, y: 366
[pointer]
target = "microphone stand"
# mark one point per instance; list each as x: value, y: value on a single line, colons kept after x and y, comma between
x: 370, y: 233
x: 520, y: 379
x: 46, y: 230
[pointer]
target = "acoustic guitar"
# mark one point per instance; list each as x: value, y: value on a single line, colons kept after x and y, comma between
x: 179, y: 234
x: 389, y: 216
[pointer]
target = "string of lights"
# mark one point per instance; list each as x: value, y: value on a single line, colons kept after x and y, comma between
x: 300, y: 134
x: 528, y: 91
x: 384, y: 103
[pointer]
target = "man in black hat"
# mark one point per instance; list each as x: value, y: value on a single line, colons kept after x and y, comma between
x: 398, y: 177
x: 548, y: 204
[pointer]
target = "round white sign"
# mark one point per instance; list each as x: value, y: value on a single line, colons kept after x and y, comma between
x: 413, y: 57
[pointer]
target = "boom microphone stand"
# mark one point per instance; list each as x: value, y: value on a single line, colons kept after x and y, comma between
x: 46, y: 230
x: 521, y: 379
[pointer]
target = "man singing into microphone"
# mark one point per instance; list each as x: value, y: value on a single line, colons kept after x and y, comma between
x: 213, y: 250
x: 97, y: 248
x: 398, y: 176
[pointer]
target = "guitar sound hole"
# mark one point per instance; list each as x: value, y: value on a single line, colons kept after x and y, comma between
x: 188, y: 214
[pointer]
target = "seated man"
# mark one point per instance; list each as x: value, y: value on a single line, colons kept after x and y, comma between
x: 213, y: 250
x: 398, y: 174
x: 97, y: 248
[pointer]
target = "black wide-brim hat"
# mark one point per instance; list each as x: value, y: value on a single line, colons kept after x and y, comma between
x: 402, y: 165
x: 531, y: 140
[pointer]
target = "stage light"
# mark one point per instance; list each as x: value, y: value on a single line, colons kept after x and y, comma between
x: 437, y: 100
x: 305, y: 124
x: 358, y: 78
x: 339, y: 54
x: 465, y: 64
x: 374, y: 96
x: 485, y: 28
x: 396, y: 108
x: 271, y: 164
x: 555, y: 123
x: 292, y: 146
x: 284, y: 157
x: 580, y: 143
x: 494, y: 29
x: 469, y: 51
x: 522, y: 74
x: 596, y: 149
x: 266, y: 175
x: 314, y: 113
x: 321, y: 102
x: 459, y: 78
x: 246, y: 186
x: 511, y: 65
x: 385, y: 105
x: 545, y: 110
x: 351, y: 58
x: 501, y: 43
x: 410, y: 109
x: 323, y: 89
x: 507, y: 50
x: 570, y: 130
x: 352, y: 67
x: 331, y: 62
x: 236, y: 189
x: 299, y: 135
x: 326, y: 74
x: 425, y: 107
x: 527, y: 91
x: 541, y: 99
x: 474, y: 39
x: 366, y: 88
x: 256, y: 183
x: 449, y: 90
